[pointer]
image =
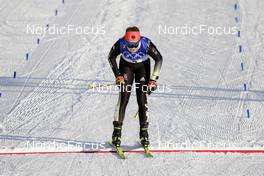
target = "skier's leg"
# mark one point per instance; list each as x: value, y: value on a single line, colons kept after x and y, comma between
x: 125, y: 92
x: 142, y: 78
x: 142, y: 102
x: 123, y: 99
x: 143, y: 117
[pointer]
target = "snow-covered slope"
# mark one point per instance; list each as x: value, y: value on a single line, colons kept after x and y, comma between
x: 49, y: 100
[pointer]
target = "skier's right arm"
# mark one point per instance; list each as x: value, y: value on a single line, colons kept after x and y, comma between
x: 114, y: 52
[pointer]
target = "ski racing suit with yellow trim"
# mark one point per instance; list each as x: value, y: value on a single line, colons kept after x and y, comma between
x: 134, y: 66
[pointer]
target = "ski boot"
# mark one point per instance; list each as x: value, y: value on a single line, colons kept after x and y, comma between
x: 116, y: 136
x: 143, y: 134
x: 116, y: 139
x: 144, y: 139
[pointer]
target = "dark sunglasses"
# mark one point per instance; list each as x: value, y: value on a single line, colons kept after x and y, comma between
x: 132, y: 44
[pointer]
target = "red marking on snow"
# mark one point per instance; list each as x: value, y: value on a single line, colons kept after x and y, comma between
x: 246, y: 151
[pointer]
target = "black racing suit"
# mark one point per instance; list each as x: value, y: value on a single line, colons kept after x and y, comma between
x: 141, y: 73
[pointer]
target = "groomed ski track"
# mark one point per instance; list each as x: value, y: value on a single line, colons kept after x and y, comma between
x: 49, y: 100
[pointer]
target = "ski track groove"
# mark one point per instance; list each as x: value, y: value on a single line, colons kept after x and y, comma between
x: 50, y: 45
x: 182, y: 102
x: 34, y: 68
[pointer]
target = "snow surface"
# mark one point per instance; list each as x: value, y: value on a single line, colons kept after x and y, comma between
x: 49, y: 100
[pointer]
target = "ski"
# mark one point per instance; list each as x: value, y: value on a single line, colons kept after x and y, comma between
x: 147, y: 152
x: 119, y: 151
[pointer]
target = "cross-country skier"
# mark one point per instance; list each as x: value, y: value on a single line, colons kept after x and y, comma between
x: 134, y: 64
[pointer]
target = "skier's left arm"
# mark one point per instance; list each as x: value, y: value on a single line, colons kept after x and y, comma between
x: 155, y: 54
